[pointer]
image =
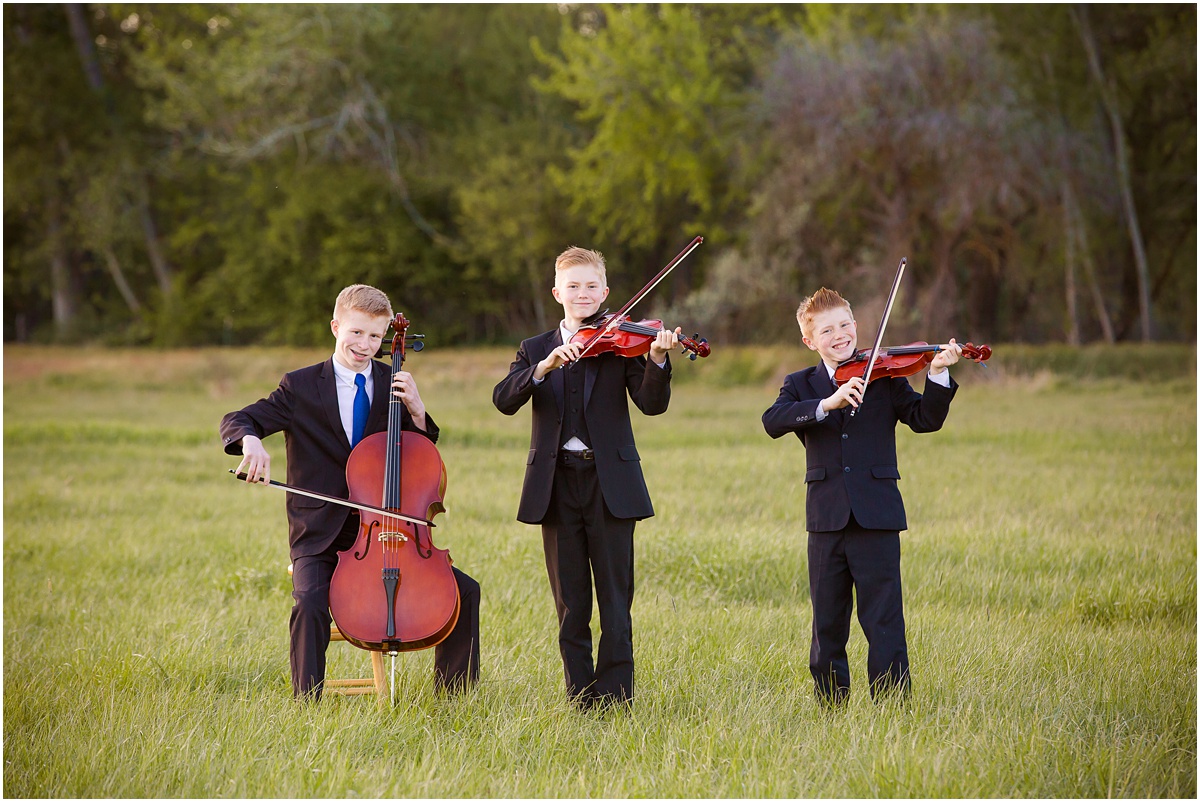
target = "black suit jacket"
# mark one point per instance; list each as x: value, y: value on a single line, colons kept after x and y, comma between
x: 852, y: 460
x: 609, y: 382
x: 305, y: 408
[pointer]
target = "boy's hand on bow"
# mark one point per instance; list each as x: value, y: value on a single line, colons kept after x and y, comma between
x: 256, y: 462
x: 849, y: 394
x: 567, y: 352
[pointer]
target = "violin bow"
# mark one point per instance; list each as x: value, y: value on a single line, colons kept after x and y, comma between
x: 336, y: 500
x: 642, y: 293
x: 887, y: 312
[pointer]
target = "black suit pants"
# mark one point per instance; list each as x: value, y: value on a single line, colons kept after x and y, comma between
x: 840, y: 564
x: 456, y: 659
x: 582, y: 541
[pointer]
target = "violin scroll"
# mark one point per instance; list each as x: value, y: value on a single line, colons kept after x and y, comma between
x: 980, y: 353
x: 695, y: 346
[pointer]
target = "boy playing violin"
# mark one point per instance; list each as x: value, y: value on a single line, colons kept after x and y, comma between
x: 324, y: 410
x: 854, y: 510
x: 583, y: 481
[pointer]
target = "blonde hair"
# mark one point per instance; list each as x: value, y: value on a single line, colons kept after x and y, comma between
x: 577, y: 257
x: 362, y: 298
x: 820, y: 301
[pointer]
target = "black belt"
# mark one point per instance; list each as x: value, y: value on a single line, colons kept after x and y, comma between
x: 584, y: 454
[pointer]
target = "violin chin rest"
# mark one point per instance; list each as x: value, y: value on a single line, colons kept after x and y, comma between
x: 591, y: 320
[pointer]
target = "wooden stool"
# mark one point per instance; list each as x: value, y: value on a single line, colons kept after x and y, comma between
x: 376, y: 684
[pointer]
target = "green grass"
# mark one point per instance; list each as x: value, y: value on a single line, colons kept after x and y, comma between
x: 1050, y: 593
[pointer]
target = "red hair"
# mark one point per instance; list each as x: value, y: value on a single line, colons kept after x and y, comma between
x: 820, y: 301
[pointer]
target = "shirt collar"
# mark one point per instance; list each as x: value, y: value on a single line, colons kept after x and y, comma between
x: 346, y: 375
x: 564, y: 332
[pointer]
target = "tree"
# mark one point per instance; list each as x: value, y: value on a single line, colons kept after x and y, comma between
x: 1147, y: 98
x: 899, y: 147
x: 662, y: 91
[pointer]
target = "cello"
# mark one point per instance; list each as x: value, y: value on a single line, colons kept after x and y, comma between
x: 393, y: 590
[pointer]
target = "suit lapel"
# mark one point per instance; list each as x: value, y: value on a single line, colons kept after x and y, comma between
x: 824, y: 387
x: 820, y: 382
x: 550, y: 341
x: 381, y: 396
x: 327, y: 391
x: 591, y: 366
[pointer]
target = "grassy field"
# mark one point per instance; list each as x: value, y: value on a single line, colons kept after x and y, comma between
x: 1050, y: 593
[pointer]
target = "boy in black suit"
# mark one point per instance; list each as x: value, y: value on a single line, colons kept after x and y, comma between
x: 854, y: 510
x: 583, y: 481
x: 325, y: 409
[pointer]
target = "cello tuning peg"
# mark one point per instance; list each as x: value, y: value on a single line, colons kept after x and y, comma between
x: 704, y: 340
x: 418, y: 346
x: 692, y: 356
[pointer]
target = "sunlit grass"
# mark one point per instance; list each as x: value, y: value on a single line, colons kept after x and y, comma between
x: 1049, y: 588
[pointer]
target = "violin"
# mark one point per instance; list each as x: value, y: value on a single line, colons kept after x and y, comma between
x: 617, y: 334
x: 902, y: 360
x: 905, y: 360
x: 393, y: 590
x: 623, y: 337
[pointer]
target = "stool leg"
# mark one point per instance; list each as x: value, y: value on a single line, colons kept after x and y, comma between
x: 355, y: 687
x: 377, y: 669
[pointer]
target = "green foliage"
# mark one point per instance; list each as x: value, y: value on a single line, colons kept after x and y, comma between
x: 1050, y: 597
x: 645, y: 83
x: 175, y: 172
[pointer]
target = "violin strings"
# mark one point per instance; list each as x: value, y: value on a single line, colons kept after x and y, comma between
x: 636, y: 328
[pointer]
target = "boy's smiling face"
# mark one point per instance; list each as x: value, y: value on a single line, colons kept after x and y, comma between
x: 358, y: 336
x: 580, y: 289
x: 834, y: 335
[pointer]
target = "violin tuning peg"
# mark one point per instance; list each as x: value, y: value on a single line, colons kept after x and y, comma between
x: 418, y: 346
x: 692, y: 356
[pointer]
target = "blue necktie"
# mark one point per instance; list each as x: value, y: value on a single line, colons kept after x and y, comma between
x: 362, y: 408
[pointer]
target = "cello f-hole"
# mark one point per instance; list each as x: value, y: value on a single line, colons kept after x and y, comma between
x: 425, y: 552
x: 367, y: 541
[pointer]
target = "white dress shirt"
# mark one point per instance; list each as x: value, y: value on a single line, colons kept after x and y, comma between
x: 346, y: 390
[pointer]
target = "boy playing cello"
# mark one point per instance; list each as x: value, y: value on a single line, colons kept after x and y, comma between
x: 854, y: 510
x: 325, y: 409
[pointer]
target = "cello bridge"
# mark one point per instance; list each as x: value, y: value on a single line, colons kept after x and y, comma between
x: 398, y: 537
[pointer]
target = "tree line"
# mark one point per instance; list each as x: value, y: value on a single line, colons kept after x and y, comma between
x: 214, y: 173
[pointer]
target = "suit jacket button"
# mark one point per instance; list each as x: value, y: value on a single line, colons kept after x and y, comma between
x: 846, y: 469
x: 845, y: 436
